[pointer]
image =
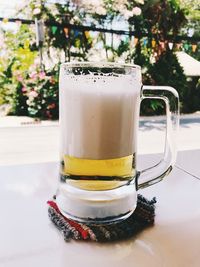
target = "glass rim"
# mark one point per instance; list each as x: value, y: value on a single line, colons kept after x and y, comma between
x: 99, y: 65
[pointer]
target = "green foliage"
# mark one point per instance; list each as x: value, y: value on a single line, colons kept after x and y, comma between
x: 27, y: 89
x: 34, y: 92
x: 37, y: 94
x: 16, y: 59
x: 192, y: 96
x: 5, y: 82
x: 167, y: 71
x: 19, y: 105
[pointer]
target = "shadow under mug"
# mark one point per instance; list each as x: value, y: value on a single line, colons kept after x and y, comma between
x: 99, y: 117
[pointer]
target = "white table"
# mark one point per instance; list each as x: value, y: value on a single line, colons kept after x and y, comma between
x: 190, y: 161
x: 28, y: 238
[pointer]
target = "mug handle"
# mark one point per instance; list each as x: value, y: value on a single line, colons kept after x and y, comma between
x: 157, y: 172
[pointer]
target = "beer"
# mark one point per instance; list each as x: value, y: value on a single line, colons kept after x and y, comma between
x: 100, y: 174
x: 98, y: 131
x: 99, y: 113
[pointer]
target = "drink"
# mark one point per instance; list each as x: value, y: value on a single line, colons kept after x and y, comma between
x: 99, y: 133
x: 103, y: 174
x: 99, y: 116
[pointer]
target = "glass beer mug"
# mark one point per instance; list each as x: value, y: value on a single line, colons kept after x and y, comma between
x: 99, y: 117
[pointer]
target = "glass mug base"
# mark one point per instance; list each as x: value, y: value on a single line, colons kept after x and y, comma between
x: 97, y: 207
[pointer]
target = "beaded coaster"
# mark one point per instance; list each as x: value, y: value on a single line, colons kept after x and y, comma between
x: 142, y: 217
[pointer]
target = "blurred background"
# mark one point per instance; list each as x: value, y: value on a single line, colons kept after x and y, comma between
x: 163, y: 36
x: 37, y: 35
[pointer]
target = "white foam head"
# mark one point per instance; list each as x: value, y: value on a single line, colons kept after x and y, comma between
x: 99, y: 115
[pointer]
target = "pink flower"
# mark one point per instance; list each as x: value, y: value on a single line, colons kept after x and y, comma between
x: 136, y: 11
x: 24, y: 90
x: 20, y: 78
x: 127, y: 13
x: 42, y: 75
x: 33, y: 94
x: 33, y: 75
x: 36, y: 11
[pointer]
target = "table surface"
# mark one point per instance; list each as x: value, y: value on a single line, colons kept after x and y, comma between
x: 28, y: 238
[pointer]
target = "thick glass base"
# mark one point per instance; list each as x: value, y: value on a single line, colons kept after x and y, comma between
x: 97, y: 207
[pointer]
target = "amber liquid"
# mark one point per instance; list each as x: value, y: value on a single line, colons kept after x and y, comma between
x: 96, y: 175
